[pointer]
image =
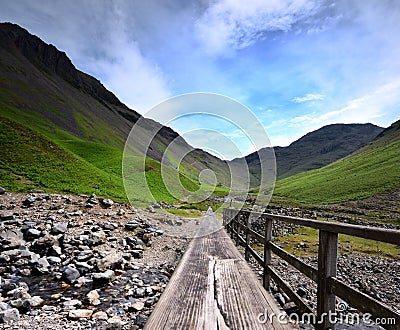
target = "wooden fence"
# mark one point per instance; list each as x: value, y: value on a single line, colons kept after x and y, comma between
x: 328, y: 286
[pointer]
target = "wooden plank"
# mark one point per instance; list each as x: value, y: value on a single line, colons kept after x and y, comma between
x: 256, y: 257
x: 288, y: 290
x: 214, y: 288
x: 307, y: 270
x: 391, y: 236
x: 365, y: 304
x: 256, y: 235
x: 327, y: 261
x: 247, y: 246
x: 267, y: 253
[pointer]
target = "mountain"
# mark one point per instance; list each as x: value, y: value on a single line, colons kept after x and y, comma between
x: 316, y: 149
x: 43, y: 95
x: 370, y: 170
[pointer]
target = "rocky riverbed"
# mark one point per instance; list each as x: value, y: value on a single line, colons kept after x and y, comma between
x: 79, y: 262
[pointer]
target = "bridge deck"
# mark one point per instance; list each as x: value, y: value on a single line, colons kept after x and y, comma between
x: 214, y: 288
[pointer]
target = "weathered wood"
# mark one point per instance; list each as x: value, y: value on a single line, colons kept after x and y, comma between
x: 247, y: 246
x: 267, y: 253
x: 254, y: 254
x: 256, y: 235
x: 391, y: 236
x: 307, y: 270
x: 214, y: 288
x: 365, y: 304
x: 288, y: 290
x: 328, y: 285
x: 327, y: 263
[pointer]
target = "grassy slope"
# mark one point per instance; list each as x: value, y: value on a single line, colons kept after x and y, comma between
x: 29, y: 160
x: 371, y: 170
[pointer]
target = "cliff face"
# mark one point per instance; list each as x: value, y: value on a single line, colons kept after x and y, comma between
x: 48, y: 58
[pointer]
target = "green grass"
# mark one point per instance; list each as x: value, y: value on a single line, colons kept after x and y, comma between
x: 346, y: 244
x: 186, y: 213
x: 29, y: 160
x: 361, y: 175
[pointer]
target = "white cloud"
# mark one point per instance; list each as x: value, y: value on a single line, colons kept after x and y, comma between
x: 363, y: 109
x: 308, y: 97
x: 236, y: 24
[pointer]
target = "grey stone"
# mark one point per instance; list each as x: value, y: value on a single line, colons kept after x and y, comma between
x: 132, y: 225
x: 9, y: 315
x: 36, y: 301
x: 70, y: 275
x: 102, y: 278
x: 107, y: 202
x: 7, y: 215
x: 111, y: 261
x: 80, y: 314
x: 2, y: 191
x: 53, y: 260
x: 29, y: 201
x: 32, y: 233
x: 59, y: 228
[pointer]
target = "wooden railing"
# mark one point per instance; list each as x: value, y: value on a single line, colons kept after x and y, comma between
x: 328, y: 285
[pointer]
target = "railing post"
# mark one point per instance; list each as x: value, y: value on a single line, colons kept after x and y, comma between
x: 248, y: 226
x: 239, y: 215
x: 327, y: 261
x: 267, y: 252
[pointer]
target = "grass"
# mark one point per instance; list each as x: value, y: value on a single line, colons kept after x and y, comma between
x: 358, y: 176
x: 186, y: 213
x: 347, y: 244
x: 29, y: 160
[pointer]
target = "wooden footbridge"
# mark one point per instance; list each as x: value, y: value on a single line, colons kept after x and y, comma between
x: 214, y: 288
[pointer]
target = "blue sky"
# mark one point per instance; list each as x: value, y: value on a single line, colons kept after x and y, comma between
x: 297, y: 64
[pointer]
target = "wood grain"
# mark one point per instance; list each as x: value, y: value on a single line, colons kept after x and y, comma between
x: 214, y: 288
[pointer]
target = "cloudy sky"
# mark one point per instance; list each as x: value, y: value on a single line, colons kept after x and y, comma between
x: 297, y: 64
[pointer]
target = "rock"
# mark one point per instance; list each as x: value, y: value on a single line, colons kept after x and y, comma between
x: 2, y: 191
x: 150, y: 209
x: 131, y: 225
x: 100, y: 316
x: 36, y: 301
x: 72, y: 304
x: 11, y: 239
x: 9, y: 315
x: 147, y: 237
x: 4, y: 306
x: 115, y: 321
x: 53, y: 260
x: 107, y: 202
x: 32, y: 233
x: 70, y: 275
x: 93, y: 297
x: 141, y: 320
x: 29, y: 201
x: 140, y: 292
x: 138, y: 306
x: 59, y: 228
x: 111, y: 261
x: 100, y: 279
x: 80, y: 314
x: 7, y: 215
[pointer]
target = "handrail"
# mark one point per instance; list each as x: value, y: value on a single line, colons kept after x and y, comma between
x: 328, y: 286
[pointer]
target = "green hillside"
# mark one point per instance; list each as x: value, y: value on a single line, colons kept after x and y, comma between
x: 45, y: 100
x: 370, y: 170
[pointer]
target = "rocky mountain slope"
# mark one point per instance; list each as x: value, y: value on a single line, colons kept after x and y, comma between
x: 42, y: 90
x: 316, y: 149
x: 371, y: 170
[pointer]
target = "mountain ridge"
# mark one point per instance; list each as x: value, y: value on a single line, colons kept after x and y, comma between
x: 317, y: 148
